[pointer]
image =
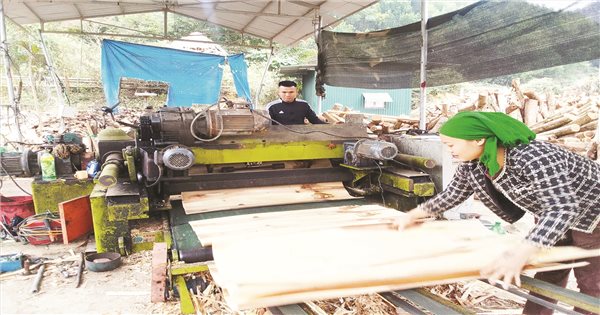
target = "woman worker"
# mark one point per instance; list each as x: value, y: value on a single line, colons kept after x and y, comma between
x: 511, y: 173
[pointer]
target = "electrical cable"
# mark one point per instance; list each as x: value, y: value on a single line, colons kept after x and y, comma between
x: 379, y: 181
x: 160, y: 173
x: 305, y: 132
x: 13, y: 180
x: 205, y: 112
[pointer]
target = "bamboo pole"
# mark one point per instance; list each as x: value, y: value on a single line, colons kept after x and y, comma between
x: 416, y: 161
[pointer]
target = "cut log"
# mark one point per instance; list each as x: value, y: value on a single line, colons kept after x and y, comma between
x: 471, y: 107
x: 553, y: 124
x: 530, y: 112
x: 511, y: 108
x: 337, y: 106
x: 439, y: 124
x: 562, y: 131
x: 433, y: 122
x: 593, y: 125
x: 482, y: 101
x: 532, y: 95
x: 585, y: 118
x: 386, y: 118
x: 516, y: 114
x: 502, y: 102
x: 493, y: 102
x: 585, y: 135
x: 516, y: 85
x: 575, y: 146
x: 333, y: 118
x: 551, y: 101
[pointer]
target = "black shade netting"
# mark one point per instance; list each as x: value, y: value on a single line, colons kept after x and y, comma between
x: 484, y: 40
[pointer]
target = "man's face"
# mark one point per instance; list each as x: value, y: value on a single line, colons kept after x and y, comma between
x: 288, y: 93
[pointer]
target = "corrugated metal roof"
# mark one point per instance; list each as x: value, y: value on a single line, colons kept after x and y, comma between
x: 282, y: 21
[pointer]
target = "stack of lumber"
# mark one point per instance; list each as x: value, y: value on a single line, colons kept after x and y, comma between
x: 240, y: 198
x: 267, y: 261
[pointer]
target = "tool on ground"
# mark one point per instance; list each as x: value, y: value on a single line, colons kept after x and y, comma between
x: 103, y: 261
x: 38, y: 279
x: 80, y: 270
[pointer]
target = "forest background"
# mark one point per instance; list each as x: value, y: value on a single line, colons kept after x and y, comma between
x: 77, y: 57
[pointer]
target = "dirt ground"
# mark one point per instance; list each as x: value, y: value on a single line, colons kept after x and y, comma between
x: 125, y: 290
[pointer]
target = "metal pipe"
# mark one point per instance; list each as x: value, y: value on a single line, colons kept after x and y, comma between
x: 8, y: 74
x: 198, y: 254
x: 416, y: 161
x: 422, y: 122
x: 536, y: 300
x: 59, y: 92
x: 111, y: 169
x: 375, y: 149
x: 262, y: 79
x: 80, y: 270
x: 38, y: 279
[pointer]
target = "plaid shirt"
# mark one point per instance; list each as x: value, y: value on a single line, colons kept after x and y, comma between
x: 561, y: 189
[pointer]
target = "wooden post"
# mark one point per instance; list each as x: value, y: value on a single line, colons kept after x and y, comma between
x: 159, y: 272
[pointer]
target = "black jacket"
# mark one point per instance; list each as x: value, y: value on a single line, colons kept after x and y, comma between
x: 292, y: 113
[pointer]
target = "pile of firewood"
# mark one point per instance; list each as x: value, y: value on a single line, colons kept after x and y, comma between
x: 376, y: 124
x: 569, y: 121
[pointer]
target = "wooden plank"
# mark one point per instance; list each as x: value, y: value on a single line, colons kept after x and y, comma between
x: 231, y: 199
x: 159, y: 272
x: 75, y: 218
x: 333, y: 262
x: 275, y: 223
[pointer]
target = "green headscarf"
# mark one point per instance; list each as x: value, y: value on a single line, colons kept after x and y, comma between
x: 494, y: 127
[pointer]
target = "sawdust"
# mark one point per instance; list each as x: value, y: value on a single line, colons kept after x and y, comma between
x: 357, y: 305
x: 477, y: 295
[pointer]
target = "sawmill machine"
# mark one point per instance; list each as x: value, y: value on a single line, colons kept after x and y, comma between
x: 177, y: 150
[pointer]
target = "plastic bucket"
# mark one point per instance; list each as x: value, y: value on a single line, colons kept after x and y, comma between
x: 16, y: 206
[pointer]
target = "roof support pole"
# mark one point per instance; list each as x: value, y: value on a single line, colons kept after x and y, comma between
x: 318, y: 24
x: 165, y: 31
x: 422, y: 119
x: 11, y: 92
x: 59, y: 91
x: 262, y: 79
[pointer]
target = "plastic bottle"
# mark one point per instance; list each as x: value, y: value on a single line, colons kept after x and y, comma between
x: 47, y: 166
x: 497, y: 227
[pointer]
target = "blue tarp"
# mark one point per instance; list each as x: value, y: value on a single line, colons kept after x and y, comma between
x: 193, y: 78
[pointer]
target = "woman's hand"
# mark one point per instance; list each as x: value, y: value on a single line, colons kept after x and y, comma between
x: 409, y: 219
x: 508, y: 266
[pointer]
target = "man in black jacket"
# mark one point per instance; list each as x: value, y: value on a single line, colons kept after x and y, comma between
x: 291, y: 111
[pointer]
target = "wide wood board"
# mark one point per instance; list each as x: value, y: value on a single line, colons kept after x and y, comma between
x: 272, y: 262
x: 239, y: 198
x: 274, y: 223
